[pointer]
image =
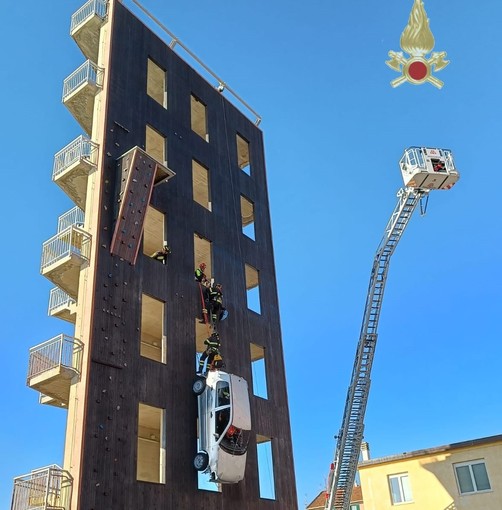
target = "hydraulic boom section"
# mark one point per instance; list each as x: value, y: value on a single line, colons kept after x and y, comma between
x: 434, y: 169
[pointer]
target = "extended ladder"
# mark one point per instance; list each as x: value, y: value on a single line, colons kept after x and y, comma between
x: 343, y: 472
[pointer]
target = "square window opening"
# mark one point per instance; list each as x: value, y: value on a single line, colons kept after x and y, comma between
x: 258, y: 369
x: 154, y: 237
x: 155, y: 145
x: 156, y: 83
x: 151, y: 458
x: 201, y: 333
x: 203, y: 483
x: 247, y: 217
x: 153, y: 339
x: 199, y: 117
x: 253, y: 289
x: 203, y: 253
x: 243, y: 159
x: 200, y: 183
x: 265, y: 467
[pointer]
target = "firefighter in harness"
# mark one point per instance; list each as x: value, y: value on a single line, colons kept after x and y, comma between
x: 215, y: 304
x: 211, y: 354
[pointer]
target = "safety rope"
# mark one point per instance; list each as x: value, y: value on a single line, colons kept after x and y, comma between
x: 205, y: 313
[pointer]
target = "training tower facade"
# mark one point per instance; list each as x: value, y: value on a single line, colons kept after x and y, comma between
x: 164, y: 157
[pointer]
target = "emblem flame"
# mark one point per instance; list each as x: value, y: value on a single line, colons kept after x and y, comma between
x: 417, y: 38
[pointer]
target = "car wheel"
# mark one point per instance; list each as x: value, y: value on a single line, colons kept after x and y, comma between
x: 199, y: 385
x: 201, y: 461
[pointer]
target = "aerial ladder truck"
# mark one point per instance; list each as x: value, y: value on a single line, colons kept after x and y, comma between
x: 423, y: 169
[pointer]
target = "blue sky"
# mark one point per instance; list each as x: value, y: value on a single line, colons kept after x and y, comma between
x: 334, y: 132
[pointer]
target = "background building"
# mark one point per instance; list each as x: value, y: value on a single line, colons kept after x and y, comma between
x: 164, y: 158
x: 356, y: 500
x: 458, y: 476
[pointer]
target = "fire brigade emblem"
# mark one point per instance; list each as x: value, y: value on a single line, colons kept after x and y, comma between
x: 417, y: 40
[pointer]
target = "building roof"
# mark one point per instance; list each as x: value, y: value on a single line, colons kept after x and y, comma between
x: 320, y: 501
x: 431, y: 451
x: 357, y: 495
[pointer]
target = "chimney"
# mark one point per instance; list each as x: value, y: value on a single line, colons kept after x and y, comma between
x: 365, y: 451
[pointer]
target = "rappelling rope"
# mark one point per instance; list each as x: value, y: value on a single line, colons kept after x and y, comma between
x: 204, y: 310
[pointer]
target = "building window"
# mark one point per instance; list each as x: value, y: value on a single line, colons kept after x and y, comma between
x: 155, y: 145
x: 253, y: 288
x: 203, y: 253
x: 156, y: 83
x: 200, y: 183
x: 247, y: 216
x: 154, y: 231
x: 400, y: 489
x: 201, y: 334
x: 151, y: 457
x: 265, y: 467
x: 355, y: 506
x: 199, y: 117
x: 153, y: 340
x: 472, y: 477
x: 243, y: 159
x: 258, y: 369
x: 203, y: 482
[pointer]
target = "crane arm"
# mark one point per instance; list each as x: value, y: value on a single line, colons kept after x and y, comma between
x: 344, y: 467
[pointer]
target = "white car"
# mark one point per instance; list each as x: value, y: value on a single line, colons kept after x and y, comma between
x: 224, y: 426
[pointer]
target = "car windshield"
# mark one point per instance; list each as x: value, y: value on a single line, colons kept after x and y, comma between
x: 235, y: 441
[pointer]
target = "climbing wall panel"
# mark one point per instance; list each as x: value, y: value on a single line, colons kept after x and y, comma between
x: 138, y: 172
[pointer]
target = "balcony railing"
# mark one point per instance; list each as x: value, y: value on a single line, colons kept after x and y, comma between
x: 79, y: 149
x: 88, y: 72
x: 61, y: 351
x: 59, y: 299
x: 70, y: 241
x: 88, y: 10
x: 46, y: 488
x: 74, y: 216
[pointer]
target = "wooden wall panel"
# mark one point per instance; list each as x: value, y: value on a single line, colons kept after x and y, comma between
x: 119, y: 377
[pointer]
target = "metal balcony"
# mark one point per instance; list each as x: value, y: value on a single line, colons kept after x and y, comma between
x: 53, y: 365
x: 79, y: 91
x: 63, y: 256
x: 47, y: 488
x: 85, y: 26
x: 74, y: 216
x: 72, y: 166
x: 62, y: 305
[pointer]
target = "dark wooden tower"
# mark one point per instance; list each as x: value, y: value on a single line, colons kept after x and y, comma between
x: 170, y: 159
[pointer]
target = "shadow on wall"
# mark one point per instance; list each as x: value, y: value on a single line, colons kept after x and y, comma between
x: 442, y: 470
x: 467, y: 479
